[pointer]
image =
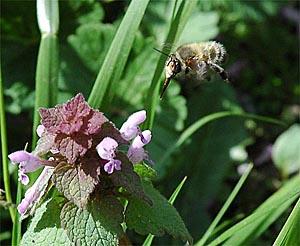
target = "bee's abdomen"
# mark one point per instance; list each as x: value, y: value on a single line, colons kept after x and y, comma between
x: 217, y: 53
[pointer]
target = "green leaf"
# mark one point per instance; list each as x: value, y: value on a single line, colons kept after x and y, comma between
x: 91, y: 42
x: 255, y: 224
x: 201, y: 26
x: 74, y: 75
x: 289, y: 235
x: 129, y: 179
x: 75, y: 183
x: 45, y: 228
x: 98, y: 223
x: 286, y: 150
x: 6, y: 235
x: 150, y: 237
x: 145, y: 171
x: 20, y: 98
x: 157, y: 219
x: 94, y: 16
x: 157, y: 18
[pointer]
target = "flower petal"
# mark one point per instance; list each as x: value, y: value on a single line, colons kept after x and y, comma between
x: 138, y: 142
x: 117, y: 164
x: 130, y: 129
x: 136, y: 153
x: 30, y: 195
x: 19, y: 156
x: 35, y: 190
x: 137, y: 118
x: 28, y: 162
x: 111, y: 165
x: 39, y: 130
x: 106, y: 148
x: 23, y: 178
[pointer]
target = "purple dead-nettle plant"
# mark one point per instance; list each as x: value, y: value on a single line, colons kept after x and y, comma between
x: 79, y: 150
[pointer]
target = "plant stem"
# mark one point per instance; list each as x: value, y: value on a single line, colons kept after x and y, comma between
x: 6, y: 176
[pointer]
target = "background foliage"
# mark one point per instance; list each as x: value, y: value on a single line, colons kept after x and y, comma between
x: 263, y: 65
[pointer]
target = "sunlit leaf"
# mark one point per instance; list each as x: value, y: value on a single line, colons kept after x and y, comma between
x: 286, y: 151
x: 45, y: 227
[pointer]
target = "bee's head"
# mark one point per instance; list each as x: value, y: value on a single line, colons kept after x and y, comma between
x: 173, y: 66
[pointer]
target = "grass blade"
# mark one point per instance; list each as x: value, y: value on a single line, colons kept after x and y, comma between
x: 117, y: 54
x: 255, y: 224
x: 46, y: 78
x: 47, y: 69
x: 289, y: 234
x: 149, y: 239
x: 48, y: 60
x: 226, y: 205
x: 6, y: 177
x: 176, y: 191
x: 206, y: 119
x: 16, y: 231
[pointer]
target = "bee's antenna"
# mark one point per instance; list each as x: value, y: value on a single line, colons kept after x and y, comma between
x: 160, y: 51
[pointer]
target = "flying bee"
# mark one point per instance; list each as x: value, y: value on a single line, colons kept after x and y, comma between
x: 195, y: 61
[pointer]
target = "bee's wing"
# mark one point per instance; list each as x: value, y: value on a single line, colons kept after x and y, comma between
x: 167, y: 46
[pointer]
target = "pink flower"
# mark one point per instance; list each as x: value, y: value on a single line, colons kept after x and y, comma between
x: 34, y: 191
x: 136, y: 153
x: 130, y: 129
x: 27, y: 163
x: 106, y: 150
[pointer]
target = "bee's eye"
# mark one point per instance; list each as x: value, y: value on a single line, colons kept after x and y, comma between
x: 177, y: 66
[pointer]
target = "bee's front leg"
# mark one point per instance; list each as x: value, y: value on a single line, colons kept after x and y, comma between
x: 219, y: 70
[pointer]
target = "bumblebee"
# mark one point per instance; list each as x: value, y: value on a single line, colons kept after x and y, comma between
x: 195, y: 61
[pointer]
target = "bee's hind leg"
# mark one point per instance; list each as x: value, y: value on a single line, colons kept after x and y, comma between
x: 219, y: 70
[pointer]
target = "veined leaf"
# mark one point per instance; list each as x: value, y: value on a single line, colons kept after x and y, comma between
x: 45, y: 227
x: 157, y: 219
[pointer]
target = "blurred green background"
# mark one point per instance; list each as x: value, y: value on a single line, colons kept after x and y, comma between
x: 262, y: 41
